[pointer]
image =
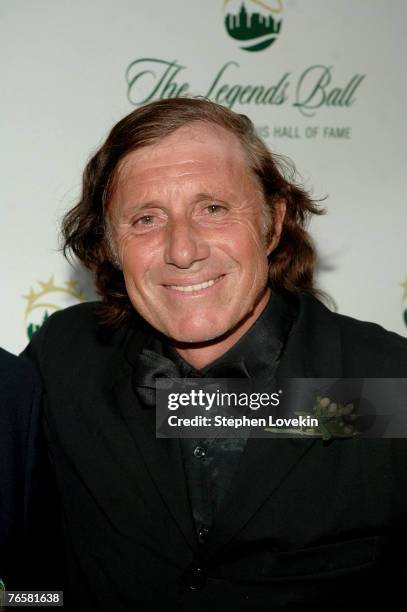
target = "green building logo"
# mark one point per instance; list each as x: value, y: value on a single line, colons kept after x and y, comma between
x: 254, y: 23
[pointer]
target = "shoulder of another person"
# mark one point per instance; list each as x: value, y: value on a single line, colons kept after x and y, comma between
x: 18, y: 378
x: 12, y: 366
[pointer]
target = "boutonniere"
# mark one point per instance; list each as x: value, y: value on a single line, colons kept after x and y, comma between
x: 334, y: 420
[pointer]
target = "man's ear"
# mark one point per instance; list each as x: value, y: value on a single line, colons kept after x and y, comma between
x: 277, y: 225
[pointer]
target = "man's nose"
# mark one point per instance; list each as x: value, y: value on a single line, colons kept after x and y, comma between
x: 184, y: 244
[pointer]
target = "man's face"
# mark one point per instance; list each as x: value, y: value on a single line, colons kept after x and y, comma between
x: 188, y: 227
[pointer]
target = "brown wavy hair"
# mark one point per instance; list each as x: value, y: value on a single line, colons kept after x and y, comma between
x: 85, y: 227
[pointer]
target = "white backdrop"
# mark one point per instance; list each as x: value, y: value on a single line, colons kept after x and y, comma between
x: 335, y: 104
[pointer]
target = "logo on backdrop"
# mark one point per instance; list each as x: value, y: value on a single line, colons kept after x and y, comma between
x: 317, y: 86
x: 255, y: 24
x: 404, y: 302
x: 48, y: 298
x: 308, y: 90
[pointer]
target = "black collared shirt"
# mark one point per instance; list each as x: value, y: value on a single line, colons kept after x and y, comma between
x: 210, y: 463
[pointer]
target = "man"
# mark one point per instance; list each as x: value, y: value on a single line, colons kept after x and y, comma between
x: 198, y: 247
x: 27, y: 498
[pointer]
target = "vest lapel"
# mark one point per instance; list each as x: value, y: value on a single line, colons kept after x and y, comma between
x: 162, y: 457
x: 313, y: 350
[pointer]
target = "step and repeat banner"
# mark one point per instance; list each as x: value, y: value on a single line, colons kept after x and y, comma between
x: 323, y: 81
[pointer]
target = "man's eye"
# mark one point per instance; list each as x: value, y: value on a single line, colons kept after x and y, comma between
x: 144, y: 220
x: 214, y: 209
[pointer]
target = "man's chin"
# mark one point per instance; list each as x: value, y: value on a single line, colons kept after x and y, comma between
x: 199, y: 336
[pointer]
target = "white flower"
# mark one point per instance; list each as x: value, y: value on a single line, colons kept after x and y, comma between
x: 347, y: 409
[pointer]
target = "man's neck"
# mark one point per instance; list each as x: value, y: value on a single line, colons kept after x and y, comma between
x: 200, y: 355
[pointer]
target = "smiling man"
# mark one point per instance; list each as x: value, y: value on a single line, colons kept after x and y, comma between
x: 198, y: 246
x: 189, y: 228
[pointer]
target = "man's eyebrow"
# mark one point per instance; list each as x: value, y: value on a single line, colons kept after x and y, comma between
x: 138, y: 206
x: 205, y: 196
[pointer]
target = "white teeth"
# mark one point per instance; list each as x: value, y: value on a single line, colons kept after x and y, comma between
x: 187, y: 288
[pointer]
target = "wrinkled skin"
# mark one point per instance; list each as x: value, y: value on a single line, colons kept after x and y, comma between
x: 188, y: 210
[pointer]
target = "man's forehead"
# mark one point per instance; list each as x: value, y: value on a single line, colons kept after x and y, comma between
x: 193, y: 149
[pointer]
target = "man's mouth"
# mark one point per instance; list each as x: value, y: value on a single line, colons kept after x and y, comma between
x: 196, y: 287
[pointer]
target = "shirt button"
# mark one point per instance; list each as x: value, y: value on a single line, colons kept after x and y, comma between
x: 199, y: 451
x: 202, y: 534
x: 195, y: 577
